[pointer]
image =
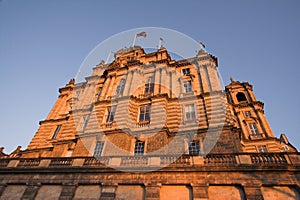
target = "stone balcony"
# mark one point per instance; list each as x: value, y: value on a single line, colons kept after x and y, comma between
x: 146, y: 161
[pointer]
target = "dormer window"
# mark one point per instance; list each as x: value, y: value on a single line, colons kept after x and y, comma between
x: 241, y: 97
x: 186, y: 71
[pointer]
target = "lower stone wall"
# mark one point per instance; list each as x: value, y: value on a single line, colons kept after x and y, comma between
x: 141, y: 192
x: 176, y: 183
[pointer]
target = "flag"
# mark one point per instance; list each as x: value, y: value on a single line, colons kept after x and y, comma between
x: 161, y: 39
x: 141, y: 34
x: 202, y: 44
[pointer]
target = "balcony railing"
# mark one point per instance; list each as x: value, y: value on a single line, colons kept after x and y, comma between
x: 221, y: 160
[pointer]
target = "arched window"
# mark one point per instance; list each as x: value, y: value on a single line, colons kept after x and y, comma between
x: 120, y: 87
x: 241, y: 97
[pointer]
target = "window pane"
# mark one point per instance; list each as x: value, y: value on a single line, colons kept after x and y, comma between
x: 194, y: 148
x: 139, y: 148
x: 56, y: 131
x: 145, y: 113
x: 188, y: 86
x: 253, y: 129
x: 111, y: 113
x: 190, y: 112
x: 98, y: 149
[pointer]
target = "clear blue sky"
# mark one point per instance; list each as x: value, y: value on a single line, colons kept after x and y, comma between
x: 43, y: 43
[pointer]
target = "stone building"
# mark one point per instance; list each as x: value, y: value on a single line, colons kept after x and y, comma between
x: 146, y: 126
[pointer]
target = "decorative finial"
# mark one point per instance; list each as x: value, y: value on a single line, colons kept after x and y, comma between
x: 232, y: 80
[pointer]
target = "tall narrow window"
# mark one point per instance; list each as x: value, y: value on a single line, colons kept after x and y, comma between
x: 98, y: 149
x: 262, y: 149
x: 149, y: 86
x: 186, y: 71
x: 248, y: 113
x: 139, y: 148
x: 111, y: 113
x: 145, y: 113
x: 194, y: 148
x: 188, y: 86
x: 56, y: 132
x: 120, y: 87
x: 85, y: 121
x: 253, y: 129
x: 190, y: 112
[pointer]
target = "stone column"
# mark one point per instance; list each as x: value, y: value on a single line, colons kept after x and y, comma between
x: 152, y: 192
x: 200, y: 192
x: 30, y: 192
x: 68, y: 192
x: 253, y: 192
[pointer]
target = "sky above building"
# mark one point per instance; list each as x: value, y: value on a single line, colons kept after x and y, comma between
x: 43, y: 44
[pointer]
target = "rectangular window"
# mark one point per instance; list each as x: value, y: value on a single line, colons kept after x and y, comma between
x: 98, y: 149
x: 149, y: 86
x: 111, y: 113
x: 139, y: 148
x: 262, y: 149
x: 188, y: 86
x: 194, y: 148
x: 247, y: 113
x: 253, y: 129
x: 56, y: 132
x: 145, y: 113
x: 190, y: 112
x: 186, y: 71
x: 120, y: 87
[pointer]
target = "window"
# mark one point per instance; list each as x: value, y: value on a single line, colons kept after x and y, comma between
x: 145, y: 113
x: 285, y: 148
x: 56, y: 132
x: 241, y: 97
x: 149, y: 86
x: 98, y: 149
x: 253, y: 129
x: 247, y: 113
x: 262, y: 149
x: 190, y: 112
x: 194, y: 148
x: 139, y: 148
x: 188, y: 86
x: 111, y: 113
x: 85, y: 121
x: 186, y: 71
x: 120, y: 87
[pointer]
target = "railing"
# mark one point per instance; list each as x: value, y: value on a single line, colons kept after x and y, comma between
x: 29, y: 162
x: 226, y: 160
x: 219, y: 159
x: 268, y: 159
x: 61, y: 162
x: 142, y: 124
x: 134, y: 161
x: 176, y: 160
x: 4, y: 162
x: 92, y: 161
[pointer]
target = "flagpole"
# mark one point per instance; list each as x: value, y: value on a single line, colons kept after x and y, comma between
x: 133, y: 43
